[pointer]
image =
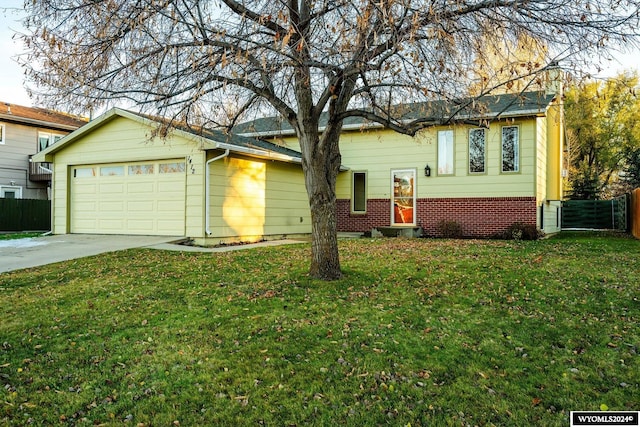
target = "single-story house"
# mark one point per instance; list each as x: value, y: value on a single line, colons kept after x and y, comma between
x: 486, y: 170
x: 112, y: 176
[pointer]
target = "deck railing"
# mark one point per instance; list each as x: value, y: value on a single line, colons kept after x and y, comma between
x: 39, y: 171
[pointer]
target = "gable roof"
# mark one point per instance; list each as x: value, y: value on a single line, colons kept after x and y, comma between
x: 40, y: 117
x: 210, y: 139
x: 489, y: 107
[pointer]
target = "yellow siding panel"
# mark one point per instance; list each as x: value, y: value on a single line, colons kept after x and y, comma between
x: 125, y: 141
x: 288, y: 209
x: 59, y: 199
x: 378, y: 152
x: 195, y: 224
x: 252, y: 199
x: 237, y: 198
x: 555, y: 147
x: 541, y: 159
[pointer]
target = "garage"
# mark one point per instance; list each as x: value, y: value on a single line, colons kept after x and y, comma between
x: 143, y: 198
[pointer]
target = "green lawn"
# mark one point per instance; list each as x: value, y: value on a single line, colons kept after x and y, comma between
x: 419, y: 332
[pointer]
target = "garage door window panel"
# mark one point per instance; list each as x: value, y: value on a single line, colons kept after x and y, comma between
x: 147, y: 169
x: 112, y: 171
x: 171, y: 167
x: 84, y: 172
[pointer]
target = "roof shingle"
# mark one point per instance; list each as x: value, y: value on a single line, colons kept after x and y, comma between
x: 486, y: 107
x: 39, y: 116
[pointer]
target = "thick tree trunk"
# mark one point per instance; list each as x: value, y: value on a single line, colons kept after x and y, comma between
x: 325, y: 261
x: 321, y: 170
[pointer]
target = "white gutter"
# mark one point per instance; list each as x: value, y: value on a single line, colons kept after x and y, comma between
x: 207, y: 190
x: 266, y: 154
x: 256, y: 152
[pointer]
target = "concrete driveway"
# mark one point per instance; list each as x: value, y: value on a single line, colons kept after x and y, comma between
x: 33, y: 252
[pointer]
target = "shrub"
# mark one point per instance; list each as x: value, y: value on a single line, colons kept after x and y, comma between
x: 449, y: 229
x: 520, y: 231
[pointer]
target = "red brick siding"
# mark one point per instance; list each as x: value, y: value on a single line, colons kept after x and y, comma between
x: 378, y: 215
x: 478, y: 216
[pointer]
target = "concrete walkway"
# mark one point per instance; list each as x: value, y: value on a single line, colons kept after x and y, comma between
x: 32, y: 252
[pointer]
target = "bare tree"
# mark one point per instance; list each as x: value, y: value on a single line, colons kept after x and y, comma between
x: 299, y: 58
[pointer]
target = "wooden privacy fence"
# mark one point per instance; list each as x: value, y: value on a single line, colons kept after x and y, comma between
x: 25, y: 215
x: 635, y: 213
x: 595, y: 214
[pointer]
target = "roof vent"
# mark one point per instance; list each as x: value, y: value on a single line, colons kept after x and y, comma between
x: 8, y: 107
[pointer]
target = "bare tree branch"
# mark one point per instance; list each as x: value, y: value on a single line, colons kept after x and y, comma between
x: 303, y: 58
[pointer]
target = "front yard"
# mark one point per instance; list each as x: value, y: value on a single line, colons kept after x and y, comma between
x: 419, y: 332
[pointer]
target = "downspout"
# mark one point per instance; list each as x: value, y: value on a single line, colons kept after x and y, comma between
x: 207, y: 191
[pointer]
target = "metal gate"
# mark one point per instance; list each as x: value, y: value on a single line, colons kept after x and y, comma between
x: 596, y: 214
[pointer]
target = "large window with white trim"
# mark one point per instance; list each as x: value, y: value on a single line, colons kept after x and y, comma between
x: 445, y: 152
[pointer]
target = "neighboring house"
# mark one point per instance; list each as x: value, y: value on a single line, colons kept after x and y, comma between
x: 485, y: 178
x: 112, y: 177
x: 23, y: 132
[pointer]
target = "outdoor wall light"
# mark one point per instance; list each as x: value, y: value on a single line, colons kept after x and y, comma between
x: 427, y: 171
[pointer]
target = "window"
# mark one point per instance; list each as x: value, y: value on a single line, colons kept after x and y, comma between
x: 1, y: 134
x: 84, y: 172
x: 445, y: 152
x: 112, y: 171
x: 477, y: 150
x: 171, y: 167
x: 510, y: 149
x: 46, y: 139
x: 359, y: 192
x: 404, y: 197
x: 141, y: 169
x: 11, y: 192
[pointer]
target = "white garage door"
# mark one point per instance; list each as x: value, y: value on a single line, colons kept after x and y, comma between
x: 145, y: 198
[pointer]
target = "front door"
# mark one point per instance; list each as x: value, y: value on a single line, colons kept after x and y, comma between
x: 403, y: 199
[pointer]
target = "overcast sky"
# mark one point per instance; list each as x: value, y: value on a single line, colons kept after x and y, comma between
x: 11, y: 87
x: 11, y: 75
